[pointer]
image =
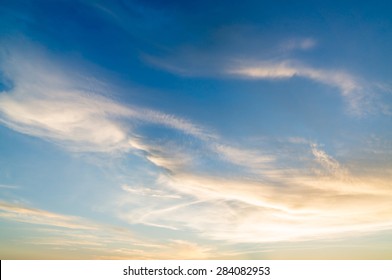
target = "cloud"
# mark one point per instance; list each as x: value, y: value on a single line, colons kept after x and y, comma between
x: 356, y: 92
x: 218, y: 189
x: 4, y: 186
x: 48, y: 102
x: 76, y: 237
x: 21, y: 213
x: 350, y: 87
x: 253, y: 159
x: 148, y: 192
x: 249, y: 211
x: 172, y: 250
x: 325, y: 160
x: 272, y: 203
x: 288, y: 69
x: 271, y: 62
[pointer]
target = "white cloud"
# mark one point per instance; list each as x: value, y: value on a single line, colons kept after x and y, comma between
x: 46, y: 101
x: 6, y: 186
x: 246, y: 211
x: 254, y: 159
x: 265, y: 71
x: 24, y: 214
x: 359, y: 93
x: 325, y: 160
x: 274, y: 204
x: 148, y: 192
x: 75, y: 237
x: 350, y: 87
x: 267, y: 203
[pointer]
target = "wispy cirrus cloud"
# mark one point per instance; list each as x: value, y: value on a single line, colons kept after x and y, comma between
x: 5, y: 186
x: 252, y: 211
x: 47, y: 102
x: 78, y: 237
x: 24, y: 214
x: 262, y: 201
x: 272, y: 203
x: 271, y: 62
x: 345, y: 82
x: 352, y: 88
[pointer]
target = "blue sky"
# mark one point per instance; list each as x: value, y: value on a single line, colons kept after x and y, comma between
x: 201, y: 130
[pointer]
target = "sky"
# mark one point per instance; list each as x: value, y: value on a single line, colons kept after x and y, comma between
x: 195, y: 129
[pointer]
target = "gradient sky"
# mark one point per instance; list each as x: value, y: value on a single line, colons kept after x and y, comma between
x: 195, y: 129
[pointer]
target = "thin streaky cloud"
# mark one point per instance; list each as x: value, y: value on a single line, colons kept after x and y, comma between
x: 66, y: 232
x: 13, y: 187
x: 62, y: 114
x: 350, y: 87
x: 284, y: 216
x: 195, y: 173
x: 276, y: 198
x: 326, y: 160
x: 145, y: 191
x: 138, y: 130
x: 359, y: 93
x: 24, y: 214
x: 47, y: 103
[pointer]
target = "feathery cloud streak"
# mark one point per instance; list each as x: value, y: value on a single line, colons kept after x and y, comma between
x: 264, y: 203
x: 46, y: 102
x: 100, y: 241
x: 350, y: 87
x: 359, y: 93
